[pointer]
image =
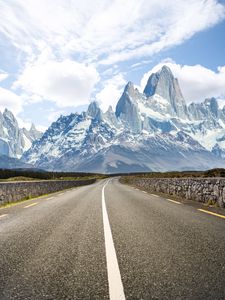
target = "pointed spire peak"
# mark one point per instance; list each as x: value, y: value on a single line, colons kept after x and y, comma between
x: 129, y: 86
x: 164, y: 75
x: 93, y: 109
x: 166, y: 69
x: 210, y: 100
x: 110, y: 109
x: 32, y: 127
x: 213, y: 105
x: 7, y: 113
x: 93, y: 104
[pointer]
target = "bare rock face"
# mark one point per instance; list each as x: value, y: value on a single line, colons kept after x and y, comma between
x: 164, y: 84
x: 13, y: 140
x: 127, y: 108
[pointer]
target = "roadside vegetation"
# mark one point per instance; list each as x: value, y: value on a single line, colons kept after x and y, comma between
x: 197, y: 174
x: 29, y: 175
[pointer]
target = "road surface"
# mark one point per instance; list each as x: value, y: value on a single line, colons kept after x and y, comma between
x: 110, y: 241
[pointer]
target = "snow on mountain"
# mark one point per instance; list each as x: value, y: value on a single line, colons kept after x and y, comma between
x: 13, y: 140
x: 153, y: 130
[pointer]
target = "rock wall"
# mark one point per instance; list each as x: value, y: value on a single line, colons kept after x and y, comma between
x: 198, y: 189
x: 15, y: 191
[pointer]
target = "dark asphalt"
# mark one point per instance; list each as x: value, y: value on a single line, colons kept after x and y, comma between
x: 55, y: 249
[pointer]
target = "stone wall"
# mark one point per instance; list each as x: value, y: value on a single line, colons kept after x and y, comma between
x: 198, y: 189
x: 15, y: 191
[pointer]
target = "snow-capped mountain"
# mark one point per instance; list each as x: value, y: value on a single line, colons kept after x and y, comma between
x: 154, y: 130
x: 13, y: 140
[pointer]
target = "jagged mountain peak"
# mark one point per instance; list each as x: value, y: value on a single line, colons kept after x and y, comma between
x: 32, y: 127
x: 94, y: 111
x: 129, y: 87
x: 151, y: 130
x: 164, y: 84
x: 9, y: 115
x: 110, y: 109
x: 164, y: 73
x: 212, y: 103
x: 13, y: 139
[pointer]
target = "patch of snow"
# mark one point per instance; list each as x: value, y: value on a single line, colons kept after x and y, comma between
x: 148, y: 112
x: 27, y: 143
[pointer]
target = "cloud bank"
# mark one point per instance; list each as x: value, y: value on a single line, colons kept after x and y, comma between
x: 66, y: 83
x: 105, y: 31
x: 62, y: 48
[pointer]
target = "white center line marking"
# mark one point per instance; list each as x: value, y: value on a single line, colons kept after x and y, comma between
x: 2, y: 216
x: 173, y: 201
x: 50, y: 198
x: 145, y: 192
x: 32, y: 204
x: 116, y: 291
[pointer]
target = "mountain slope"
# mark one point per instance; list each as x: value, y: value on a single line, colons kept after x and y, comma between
x: 7, y: 162
x: 154, y: 130
x: 13, y: 140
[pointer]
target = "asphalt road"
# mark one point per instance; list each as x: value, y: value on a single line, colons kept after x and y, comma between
x: 109, y: 240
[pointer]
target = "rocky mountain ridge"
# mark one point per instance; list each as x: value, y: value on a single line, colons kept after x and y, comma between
x: 151, y: 131
x: 14, y: 141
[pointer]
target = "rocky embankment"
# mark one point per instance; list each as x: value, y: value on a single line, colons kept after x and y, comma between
x: 205, y: 190
x: 15, y: 191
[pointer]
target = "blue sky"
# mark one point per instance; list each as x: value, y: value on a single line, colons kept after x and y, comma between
x: 57, y: 56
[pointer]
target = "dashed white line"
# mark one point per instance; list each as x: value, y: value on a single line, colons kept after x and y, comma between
x: 32, y: 204
x: 50, y: 198
x: 144, y: 192
x: 173, y: 201
x: 116, y: 291
x: 155, y: 195
x: 2, y: 216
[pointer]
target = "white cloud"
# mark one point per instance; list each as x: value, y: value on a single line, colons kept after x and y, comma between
x: 67, y: 83
x: 10, y: 101
x: 24, y: 123
x: 196, y: 82
x: 114, y: 29
x: 111, y: 92
x: 27, y: 124
x: 54, y: 40
x: 3, y: 75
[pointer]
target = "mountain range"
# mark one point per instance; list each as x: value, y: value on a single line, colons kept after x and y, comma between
x: 151, y: 131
